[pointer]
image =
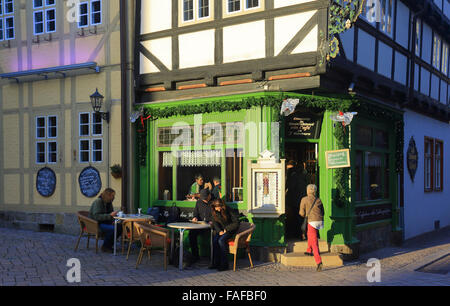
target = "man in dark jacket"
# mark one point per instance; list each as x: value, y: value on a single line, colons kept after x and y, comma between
x: 103, y: 212
x: 202, y: 212
x: 295, y: 191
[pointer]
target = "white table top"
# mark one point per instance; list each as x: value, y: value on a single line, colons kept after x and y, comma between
x: 189, y: 225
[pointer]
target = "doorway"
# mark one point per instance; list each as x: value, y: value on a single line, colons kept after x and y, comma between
x: 305, y: 155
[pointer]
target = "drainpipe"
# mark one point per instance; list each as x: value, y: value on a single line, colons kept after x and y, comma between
x: 124, y: 103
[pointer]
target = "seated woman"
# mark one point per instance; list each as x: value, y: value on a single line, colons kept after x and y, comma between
x: 225, y: 224
x: 197, y: 186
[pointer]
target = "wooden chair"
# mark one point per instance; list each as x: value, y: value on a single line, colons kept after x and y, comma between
x: 152, y: 236
x: 242, y: 240
x: 130, y: 235
x: 89, y: 228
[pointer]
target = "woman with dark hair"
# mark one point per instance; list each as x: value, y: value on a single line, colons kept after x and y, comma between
x: 225, y: 224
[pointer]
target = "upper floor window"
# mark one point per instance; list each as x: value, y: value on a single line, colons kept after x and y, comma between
x: 90, y: 13
x: 436, y: 52
x: 6, y: 20
x: 195, y: 10
x: 382, y: 12
x: 418, y: 37
x: 44, y: 16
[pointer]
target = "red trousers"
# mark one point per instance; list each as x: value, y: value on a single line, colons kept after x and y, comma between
x: 313, y: 243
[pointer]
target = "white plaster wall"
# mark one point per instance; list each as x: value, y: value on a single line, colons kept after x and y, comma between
x: 427, y: 43
x: 422, y: 209
x: 244, y: 42
x: 434, y: 86
x: 156, y: 15
x: 443, y: 96
x: 286, y: 27
x: 425, y: 81
x: 196, y: 49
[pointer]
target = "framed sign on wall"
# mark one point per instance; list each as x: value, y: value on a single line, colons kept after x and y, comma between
x: 337, y: 159
x: 46, y: 182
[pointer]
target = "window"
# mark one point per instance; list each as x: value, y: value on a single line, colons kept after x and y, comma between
x: 91, y: 141
x: 438, y: 165
x: 436, y: 52
x: 444, y: 66
x: 44, y: 16
x: 7, y: 20
x: 387, y: 16
x: 90, y: 13
x: 428, y: 164
x: 372, y: 164
x: 46, y: 140
x: 234, y: 6
x: 195, y: 10
x: 212, y: 150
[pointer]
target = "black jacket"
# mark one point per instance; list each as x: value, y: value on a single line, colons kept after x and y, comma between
x: 296, y: 187
x: 231, y: 224
x: 202, y: 211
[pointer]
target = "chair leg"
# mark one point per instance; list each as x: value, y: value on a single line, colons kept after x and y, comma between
x: 78, y: 241
x: 141, y: 252
x: 87, y: 246
x: 96, y: 244
x: 234, y: 266
x: 129, y: 248
x: 250, y: 258
x: 165, y: 258
x: 148, y: 253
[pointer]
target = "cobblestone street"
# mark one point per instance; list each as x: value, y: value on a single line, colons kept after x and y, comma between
x: 33, y: 258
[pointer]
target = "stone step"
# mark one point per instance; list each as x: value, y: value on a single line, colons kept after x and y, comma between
x: 301, y: 246
x: 302, y: 260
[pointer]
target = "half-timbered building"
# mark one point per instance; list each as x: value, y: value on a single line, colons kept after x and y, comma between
x: 211, y: 77
x: 51, y: 62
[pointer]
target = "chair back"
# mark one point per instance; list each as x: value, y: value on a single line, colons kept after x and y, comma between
x: 149, y: 233
x: 87, y: 224
x: 244, y: 233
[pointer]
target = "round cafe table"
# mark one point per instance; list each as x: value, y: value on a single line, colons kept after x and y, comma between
x: 182, y: 226
x: 129, y: 218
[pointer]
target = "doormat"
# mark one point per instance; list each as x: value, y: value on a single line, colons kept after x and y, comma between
x: 438, y: 266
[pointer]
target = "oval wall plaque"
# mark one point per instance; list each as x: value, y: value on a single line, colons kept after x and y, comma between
x: 90, y: 182
x: 412, y: 158
x: 46, y: 182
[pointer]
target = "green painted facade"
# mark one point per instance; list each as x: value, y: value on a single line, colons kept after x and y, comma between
x: 339, y: 222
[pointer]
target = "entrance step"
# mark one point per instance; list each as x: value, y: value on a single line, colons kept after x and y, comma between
x: 302, y: 260
x: 299, y: 246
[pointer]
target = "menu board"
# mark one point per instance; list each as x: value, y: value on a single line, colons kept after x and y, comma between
x: 337, y: 159
x: 305, y: 125
x: 90, y: 182
x: 46, y: 182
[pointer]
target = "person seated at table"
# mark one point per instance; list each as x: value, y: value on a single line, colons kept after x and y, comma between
x: 225, y: 224
x: 216, y: 192
x: 202, y: 212
x: 197, y: 186
x: 102, y: 211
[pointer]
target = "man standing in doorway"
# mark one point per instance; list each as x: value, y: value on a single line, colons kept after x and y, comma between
x: 295, y: 191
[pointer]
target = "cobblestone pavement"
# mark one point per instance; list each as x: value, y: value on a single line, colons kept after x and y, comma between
x: 32, y: 258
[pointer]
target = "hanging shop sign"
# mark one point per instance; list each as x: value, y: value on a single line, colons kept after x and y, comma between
x: 267, y: 180
x: 368, y: 214
x: 337, y: 159
x: 412, y: 157
x: 90, y: 182
x: 303, y: 125
x: 46, y: 182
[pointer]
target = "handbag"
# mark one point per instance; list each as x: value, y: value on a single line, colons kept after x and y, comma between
x: 174, y: 214
x: 305, y: 221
